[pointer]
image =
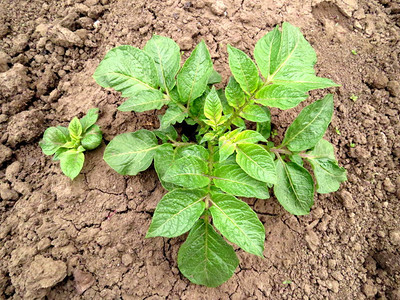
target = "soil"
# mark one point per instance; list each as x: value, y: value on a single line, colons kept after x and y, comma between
x: 85, y: 239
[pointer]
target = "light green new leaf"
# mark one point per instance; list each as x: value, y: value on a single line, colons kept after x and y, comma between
x: 89, y: 119
x: 310, y: 125
x: 127, y: 69
x: 280, y: 96
x: 243, y: 69
x: 143, y: 101
x: 213, y: 107
x: 327, y: 172
x: 188, y: 172
x: 92, y: 137
x: 192, y: 79
x: 238, y: 223
x: 234, y: 93
x: 249, y: 137
x: 177, y: 212
x: 164, y: 158
x: 254, y: 113
x: 58, y: 153
x: 286, y: 58
x: 71, y: 162
x: 230, y: 178
x: 75, y: 128
x: 173, y: 115
x: 53, y: 139
x: 131, y: 153
x: 166, y: 55
x: 226, y: 148
x: 294, y: 188
x: 256, y: 162
x: 205, y: 258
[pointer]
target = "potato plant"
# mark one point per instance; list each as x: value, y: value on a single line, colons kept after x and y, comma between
x: 206, y: 170
x: 68, y: 144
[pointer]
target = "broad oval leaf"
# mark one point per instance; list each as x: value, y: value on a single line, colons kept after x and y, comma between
x: 230, y: 178
x: 166, y: 55
x: 92, y: 137
x: 310, y: 125
x: 89, y: 119
x: 214, y: 78
x: 294, y: 188
x: 238, y: 223
x: 164, y: 158
x: 174, y: 114
x: 205, y: 258
x: 327, y: 172
x: 234, y: 93
x: 71, y: 162
x: 286, y: 58
x: 256, y: 162
x: 131, y: 153
x: 226, y: 148
x: 213, y: 107
x: 177, y: 212
x: 193, y: 77
x: 243, y: 69
x: 53, y: 139
x: 144, y: 100
x: 188, y: 172
x: 280, y: 96
x: 254, y: 113
x: 127, y: 69
x: 193, y: 150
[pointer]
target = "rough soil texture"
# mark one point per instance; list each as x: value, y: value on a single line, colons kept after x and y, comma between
x: 85, y: 239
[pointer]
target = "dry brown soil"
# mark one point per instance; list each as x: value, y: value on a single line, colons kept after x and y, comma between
x: 85, y: 239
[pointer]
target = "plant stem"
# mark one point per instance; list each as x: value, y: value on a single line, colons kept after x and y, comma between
x: 279, y: 150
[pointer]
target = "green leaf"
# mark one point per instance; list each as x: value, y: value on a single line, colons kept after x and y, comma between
x: 75, y: 128
x: 127, y: 69
x: 143, y: 101
x: 92, y: 137
x: 188, y: 172
x: 256, y: 162
x: 177, y: 212
x: 164, y: 158
x: 234, y: 93
x: 249, y: 137
x: 167, y: 134
x: 294, y: 188
x: 280, y: 96
x: 296, y: 159
x: 310, y: 125
x: 286, y: 58
x: 131, y: 153
x: 254, y: 113
x: 226, y: 148
x: 193, y: 150
x: 174, y: 114
x: 327, y: 172
x: 264, y: 128
x: 239, y: 122
x: 214, y: 78
x: 238, y: 223
x: 60, y: 151
x: 71, y: 162
x: 192, y: 79
x: 243, y: 69
x: 230, y: 178
x: 205, y: 258
x: 213, y: 107
x: 166, y: 55
x: 89, y: 119
x: 53, y: 139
